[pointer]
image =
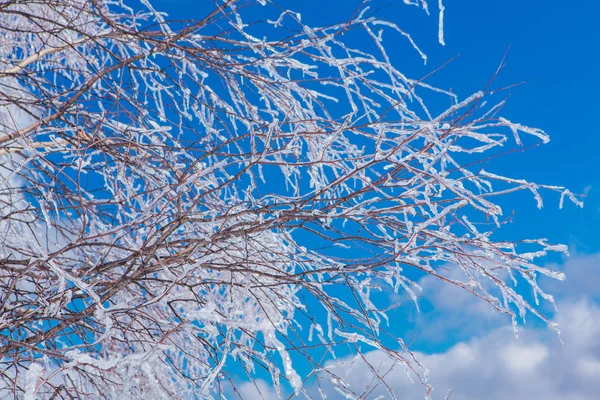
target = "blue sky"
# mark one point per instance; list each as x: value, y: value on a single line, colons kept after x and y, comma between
x: 554, y: 49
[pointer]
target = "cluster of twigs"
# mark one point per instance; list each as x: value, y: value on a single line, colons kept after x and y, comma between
x: 187, y: 205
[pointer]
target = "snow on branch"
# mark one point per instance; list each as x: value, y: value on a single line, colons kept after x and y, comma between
x: 184, y: 205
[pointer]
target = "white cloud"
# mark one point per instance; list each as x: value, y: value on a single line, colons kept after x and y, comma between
x: 455, y: 313
x: 524, y: 359
x: 500, y: 366
x: 490, y: 362
x: 257, y: 390
x: 589, y: 367
x: 583, y: 277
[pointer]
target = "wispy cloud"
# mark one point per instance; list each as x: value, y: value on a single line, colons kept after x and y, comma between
x: 494, y: 364
x: 257, y: 390
x: 500, y: 366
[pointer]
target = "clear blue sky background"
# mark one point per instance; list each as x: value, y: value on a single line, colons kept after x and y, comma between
x: 555, y: 49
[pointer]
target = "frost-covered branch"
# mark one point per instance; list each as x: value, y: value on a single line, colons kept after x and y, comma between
x: 184, y: 205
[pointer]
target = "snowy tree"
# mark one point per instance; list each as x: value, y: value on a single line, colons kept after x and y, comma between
x: 186, y: 206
